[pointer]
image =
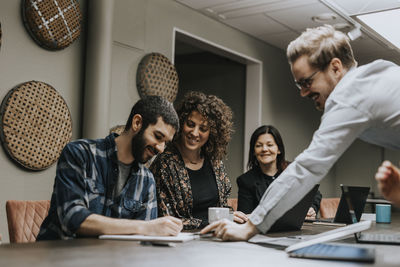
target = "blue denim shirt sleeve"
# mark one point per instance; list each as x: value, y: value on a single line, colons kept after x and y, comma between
x: 70, y: 189
x: 151, y: 209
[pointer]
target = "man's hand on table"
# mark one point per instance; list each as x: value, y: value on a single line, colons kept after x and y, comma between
x: 230, y: 231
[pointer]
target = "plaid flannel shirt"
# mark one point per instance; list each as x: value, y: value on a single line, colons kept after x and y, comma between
x: 87, y: 173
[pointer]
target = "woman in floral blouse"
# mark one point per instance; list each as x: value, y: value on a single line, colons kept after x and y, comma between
x: 190, y: 174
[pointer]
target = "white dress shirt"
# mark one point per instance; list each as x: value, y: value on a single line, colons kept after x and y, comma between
x: 364, y: 104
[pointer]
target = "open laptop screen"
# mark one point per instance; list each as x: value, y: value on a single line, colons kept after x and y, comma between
x: 346, y: 196
x: 353, y: 199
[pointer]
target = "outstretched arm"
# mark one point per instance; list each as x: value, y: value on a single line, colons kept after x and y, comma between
x: 95, y: 225
x: 388, y: 178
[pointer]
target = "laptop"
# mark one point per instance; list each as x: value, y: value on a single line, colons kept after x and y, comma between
x: 298, y: 242
x: 378, y: 238
x: 370, y: 238
x: 315, y: 249
x: 293, y: 219
x: 335, y: 252
x: 358, y: 196
x: 313, y: 246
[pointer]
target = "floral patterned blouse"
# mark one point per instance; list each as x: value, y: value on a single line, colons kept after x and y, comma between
x: 174, y: 188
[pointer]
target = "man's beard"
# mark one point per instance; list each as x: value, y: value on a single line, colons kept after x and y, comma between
x: 139, y: 146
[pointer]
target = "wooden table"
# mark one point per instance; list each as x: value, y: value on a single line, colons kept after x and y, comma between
x: 204, y: 253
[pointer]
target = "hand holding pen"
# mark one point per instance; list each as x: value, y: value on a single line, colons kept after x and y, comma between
x: 169, y: 210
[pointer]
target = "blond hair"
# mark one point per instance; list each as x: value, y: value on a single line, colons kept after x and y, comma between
x: 321, y: 45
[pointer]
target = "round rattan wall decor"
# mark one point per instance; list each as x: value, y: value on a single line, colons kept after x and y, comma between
x: 53, y: 24
x: 156, y: 75
x: 35, y: 124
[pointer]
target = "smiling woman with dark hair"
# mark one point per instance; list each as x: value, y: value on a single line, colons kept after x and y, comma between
x: 190, y: 174
x: 266, y: 162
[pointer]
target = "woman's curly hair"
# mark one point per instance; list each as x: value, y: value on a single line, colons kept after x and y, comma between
x: 218, y: 116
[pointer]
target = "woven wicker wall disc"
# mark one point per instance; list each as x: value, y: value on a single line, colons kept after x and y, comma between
x: 156, y: 75
x: 35, y: 124
x: 53, y: 24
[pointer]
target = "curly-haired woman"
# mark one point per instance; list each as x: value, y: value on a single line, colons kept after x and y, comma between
x: 190, y: 174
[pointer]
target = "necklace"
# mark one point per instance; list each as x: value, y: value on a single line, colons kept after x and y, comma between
x: 195, y: 162
x: 185, y: 157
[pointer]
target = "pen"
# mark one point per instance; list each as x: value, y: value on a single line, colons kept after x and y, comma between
x: 207, y: 235
x: 169, y: 212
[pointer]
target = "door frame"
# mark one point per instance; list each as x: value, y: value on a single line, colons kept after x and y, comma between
x: 252, y: 118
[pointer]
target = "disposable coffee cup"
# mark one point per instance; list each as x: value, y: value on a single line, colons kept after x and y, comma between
x: 383, y: 213
x: 217, y: 213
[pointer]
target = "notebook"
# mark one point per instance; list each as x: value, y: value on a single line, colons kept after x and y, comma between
x: 181, y: 237
x: 293, y: 219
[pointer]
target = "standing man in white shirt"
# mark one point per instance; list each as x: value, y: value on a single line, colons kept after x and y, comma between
x: 358, y: 102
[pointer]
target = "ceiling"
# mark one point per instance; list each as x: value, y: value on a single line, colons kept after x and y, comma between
x: 277, y: 22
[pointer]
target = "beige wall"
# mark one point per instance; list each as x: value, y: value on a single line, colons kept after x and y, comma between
x: 144, y: 26
x: 21, y: 60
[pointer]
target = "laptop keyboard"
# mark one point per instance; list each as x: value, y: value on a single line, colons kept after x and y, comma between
x: 380, y: 237
x: 335, y: 252
x: 320, y: 249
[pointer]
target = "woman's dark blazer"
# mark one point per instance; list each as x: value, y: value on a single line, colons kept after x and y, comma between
x: 252, y: 186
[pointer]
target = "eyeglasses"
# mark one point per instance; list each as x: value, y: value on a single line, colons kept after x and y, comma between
x: 306, y: 82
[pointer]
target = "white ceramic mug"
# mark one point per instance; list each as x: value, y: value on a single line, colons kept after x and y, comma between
x: 216, y: 214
